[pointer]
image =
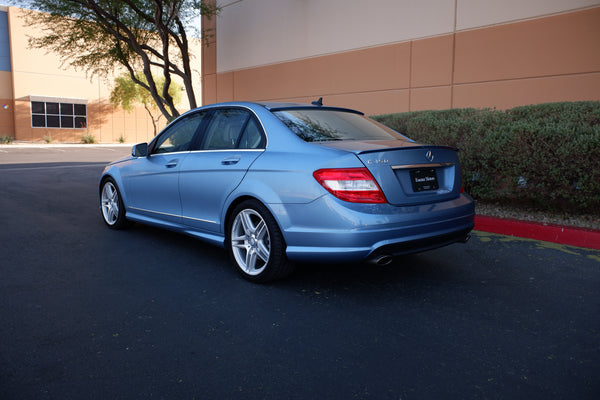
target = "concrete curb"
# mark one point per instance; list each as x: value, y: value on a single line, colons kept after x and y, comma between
x: 580, y: 237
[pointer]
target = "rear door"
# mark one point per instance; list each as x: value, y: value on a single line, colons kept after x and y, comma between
x: 232, y: 141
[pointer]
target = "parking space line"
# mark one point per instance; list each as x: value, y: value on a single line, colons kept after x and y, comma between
x: 53, y: 167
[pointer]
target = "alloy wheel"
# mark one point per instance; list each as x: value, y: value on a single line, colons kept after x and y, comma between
x: 250, y: 241
x: 110, y: 203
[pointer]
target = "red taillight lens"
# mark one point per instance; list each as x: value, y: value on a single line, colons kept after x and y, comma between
x: 355, y: 185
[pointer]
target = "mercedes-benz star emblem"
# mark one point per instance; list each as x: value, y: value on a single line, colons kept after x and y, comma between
x: 429, y: 155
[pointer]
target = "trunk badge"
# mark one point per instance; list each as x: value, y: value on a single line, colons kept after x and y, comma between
x: 429, y: 155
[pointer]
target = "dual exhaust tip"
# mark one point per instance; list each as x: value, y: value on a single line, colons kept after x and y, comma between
x: 385, y: 259
x: 382, y: 259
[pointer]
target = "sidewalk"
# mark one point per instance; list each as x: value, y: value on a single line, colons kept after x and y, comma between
x: 580, y: 237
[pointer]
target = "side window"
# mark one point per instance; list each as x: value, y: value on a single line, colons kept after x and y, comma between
x: 225, y: 129
x: 179, y: 136
x: 251, y: 138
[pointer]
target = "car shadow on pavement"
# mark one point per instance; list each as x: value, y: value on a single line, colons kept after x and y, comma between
x: 157, y: 248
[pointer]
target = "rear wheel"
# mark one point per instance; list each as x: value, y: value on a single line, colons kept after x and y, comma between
x: 255, y: 243
x: 111, y: 205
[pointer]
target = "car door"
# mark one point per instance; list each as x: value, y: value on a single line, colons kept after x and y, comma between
x: 152, y: 182
x: 232, y: 141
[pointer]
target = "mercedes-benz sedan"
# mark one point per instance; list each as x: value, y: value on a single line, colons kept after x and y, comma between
x: 279, y: 183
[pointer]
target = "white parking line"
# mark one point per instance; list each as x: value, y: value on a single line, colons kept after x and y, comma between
x: 100, y: 164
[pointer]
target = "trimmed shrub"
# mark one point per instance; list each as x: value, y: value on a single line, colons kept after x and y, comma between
x: 545, y: 155
x: 88, y: 139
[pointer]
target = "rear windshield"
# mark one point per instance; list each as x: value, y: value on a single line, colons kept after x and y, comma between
x: 328, y: 125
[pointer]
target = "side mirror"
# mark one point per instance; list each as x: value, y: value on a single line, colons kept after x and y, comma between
x: 140, y: 150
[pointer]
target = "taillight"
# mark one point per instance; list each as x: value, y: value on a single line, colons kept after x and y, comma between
x: 355, y: 185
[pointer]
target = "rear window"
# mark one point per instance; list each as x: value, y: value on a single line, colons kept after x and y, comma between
x: 329, y: 125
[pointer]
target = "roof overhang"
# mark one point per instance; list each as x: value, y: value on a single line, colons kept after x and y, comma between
x: 50, y: 99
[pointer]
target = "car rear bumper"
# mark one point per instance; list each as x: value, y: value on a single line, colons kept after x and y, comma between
x: 332, y: 230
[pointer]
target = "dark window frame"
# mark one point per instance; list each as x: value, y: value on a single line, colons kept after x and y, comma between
x: 58, y: 114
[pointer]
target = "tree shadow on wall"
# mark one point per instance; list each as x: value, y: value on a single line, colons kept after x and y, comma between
x: 96, y: 123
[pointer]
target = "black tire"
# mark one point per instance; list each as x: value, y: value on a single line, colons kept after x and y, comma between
x: 255, y: 243
x: 111, y: 205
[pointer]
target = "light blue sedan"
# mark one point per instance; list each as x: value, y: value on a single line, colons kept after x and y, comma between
x: 276, y: 183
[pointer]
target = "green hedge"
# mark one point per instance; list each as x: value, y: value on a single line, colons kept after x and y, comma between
x: 545, y: 155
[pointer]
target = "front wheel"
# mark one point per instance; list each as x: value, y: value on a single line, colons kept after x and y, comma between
x: 111, y: 204
x: 256, y: 244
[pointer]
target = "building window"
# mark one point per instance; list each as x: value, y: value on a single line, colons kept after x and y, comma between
x: 54, y: 114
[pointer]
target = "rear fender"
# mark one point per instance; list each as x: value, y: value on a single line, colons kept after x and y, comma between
x: 294, y: 182
x: 268, y: 192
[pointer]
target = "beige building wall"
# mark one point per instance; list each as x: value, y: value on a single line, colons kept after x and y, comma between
x: 6, y: 105
x: 38, y: 73
x: 398, y: 56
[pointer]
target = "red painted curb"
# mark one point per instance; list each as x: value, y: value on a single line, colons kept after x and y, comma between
x: 580, y: 237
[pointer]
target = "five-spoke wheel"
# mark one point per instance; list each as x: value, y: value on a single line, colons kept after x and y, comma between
x: 250, y: 241
x: 256, y: 244
x: 111, y: 204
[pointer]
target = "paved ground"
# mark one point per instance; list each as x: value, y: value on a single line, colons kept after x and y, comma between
x: 89, y: 313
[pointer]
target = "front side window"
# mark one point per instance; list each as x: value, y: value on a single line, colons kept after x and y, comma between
x: 179, y: 136
x: 329, y: 125
x: 50, y: 114
x: 232, y: 129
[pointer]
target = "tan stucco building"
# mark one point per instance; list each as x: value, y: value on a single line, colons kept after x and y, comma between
x: 379, y: 56
x: 384, y: 56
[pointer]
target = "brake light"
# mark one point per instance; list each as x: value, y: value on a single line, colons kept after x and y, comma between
x: 355, y: 185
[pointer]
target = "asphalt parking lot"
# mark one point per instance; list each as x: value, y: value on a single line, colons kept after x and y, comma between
x: 91, y: 313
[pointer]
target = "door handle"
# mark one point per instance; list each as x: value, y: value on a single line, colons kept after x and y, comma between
x: 231, y: 160
x: 172, y: 163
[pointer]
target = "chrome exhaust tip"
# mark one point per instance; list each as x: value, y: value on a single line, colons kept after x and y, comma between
x: 383, y: 259
x: 466, y: 238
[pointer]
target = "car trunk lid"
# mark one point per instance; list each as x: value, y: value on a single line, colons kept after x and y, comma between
x: 409, y: 173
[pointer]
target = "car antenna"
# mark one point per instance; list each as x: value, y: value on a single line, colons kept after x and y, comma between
x: 318, y: 102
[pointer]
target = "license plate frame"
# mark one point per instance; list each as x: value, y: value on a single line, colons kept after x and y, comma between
x: 424, y: 179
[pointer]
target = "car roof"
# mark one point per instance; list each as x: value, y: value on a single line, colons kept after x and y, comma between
x: 272, y: 106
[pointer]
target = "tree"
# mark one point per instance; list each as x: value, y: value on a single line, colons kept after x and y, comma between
x: 127, y: 94
x: 139, y: 35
